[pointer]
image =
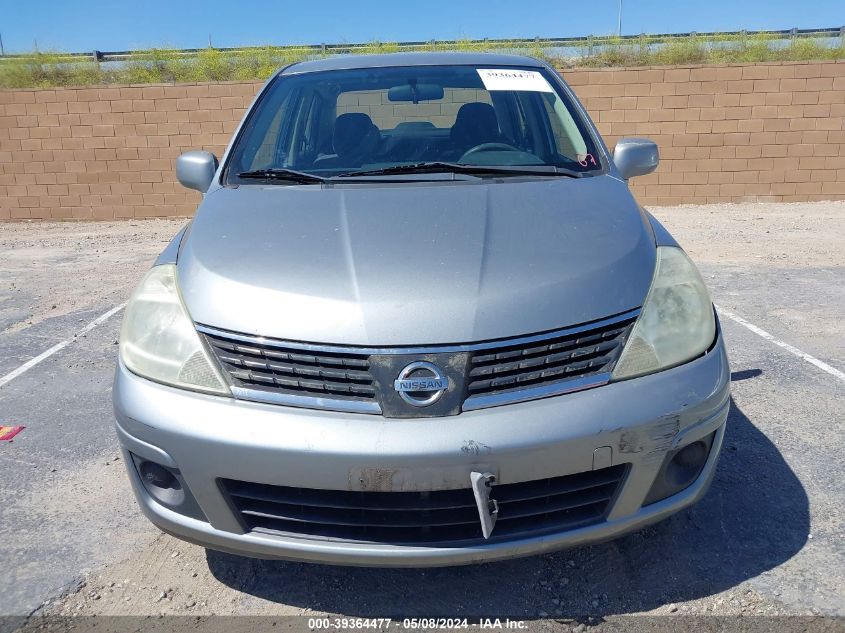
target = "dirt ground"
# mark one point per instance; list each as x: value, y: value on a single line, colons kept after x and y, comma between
x: 767, y: 540
x: 797, y: 234
x: 49, y: 269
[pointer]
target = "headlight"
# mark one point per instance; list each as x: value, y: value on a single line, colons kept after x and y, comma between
x: 158, y: 339
x: 676, y: 323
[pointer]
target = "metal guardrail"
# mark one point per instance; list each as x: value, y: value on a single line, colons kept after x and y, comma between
x: 588, y: 42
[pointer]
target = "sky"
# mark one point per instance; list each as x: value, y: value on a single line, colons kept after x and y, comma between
x: 86, y: 25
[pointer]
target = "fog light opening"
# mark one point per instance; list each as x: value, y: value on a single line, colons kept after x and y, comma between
x: 680, y: 469
x: 156, y: 475
x: 686, y: 464
x: 166, y: 485
x: 162, y: 483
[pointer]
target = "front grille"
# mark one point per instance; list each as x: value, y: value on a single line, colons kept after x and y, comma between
x: 440, y: 517
x: 293, y: 371
x: 359, y: 379
x: 549, y: 361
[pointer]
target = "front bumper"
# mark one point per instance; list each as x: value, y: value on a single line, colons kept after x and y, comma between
x: 208, y: 438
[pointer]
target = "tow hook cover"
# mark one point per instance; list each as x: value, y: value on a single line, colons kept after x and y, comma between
x: 488, y: 508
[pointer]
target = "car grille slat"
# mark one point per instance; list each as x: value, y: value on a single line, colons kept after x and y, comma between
x: 270, y: 367
x: 545, y: 505
x: 376, y: 501
x: 440, y: 517
x: 334, y: 516
x: 569, y: 356
x: 557, y: 486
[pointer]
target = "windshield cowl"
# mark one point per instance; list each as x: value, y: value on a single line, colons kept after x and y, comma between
x: 455, y: 168
x: 414, y: 173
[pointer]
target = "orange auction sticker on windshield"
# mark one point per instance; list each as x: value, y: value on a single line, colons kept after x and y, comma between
x: 513, y: 79
x: 8, y: 432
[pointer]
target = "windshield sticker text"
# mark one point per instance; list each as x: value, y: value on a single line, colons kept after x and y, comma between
x: 513, y: 79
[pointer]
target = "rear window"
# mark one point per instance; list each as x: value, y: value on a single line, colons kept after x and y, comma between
x: 333, y: 122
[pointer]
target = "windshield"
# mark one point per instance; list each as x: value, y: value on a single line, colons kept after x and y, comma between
x: 364, y: 120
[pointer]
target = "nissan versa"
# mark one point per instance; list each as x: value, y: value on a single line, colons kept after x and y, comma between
x: 418, y: 319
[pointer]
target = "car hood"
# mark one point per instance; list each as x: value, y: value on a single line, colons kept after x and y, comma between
x: 415, y: 264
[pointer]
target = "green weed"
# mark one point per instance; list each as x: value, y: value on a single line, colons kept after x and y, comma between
x: 166, y: 65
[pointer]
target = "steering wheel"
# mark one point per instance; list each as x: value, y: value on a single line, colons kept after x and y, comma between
x: 489, y: 147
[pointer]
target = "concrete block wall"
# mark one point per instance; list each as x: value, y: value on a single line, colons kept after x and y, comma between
x: 757, y: 132
x: 765, y: 132
x: 109, y: 152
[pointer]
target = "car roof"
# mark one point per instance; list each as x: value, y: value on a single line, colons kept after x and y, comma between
x: 346, y: 62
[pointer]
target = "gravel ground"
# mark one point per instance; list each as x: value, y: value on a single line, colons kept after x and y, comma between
x: 49, y: 269
x: 767, y: 539
x: 775, y: 234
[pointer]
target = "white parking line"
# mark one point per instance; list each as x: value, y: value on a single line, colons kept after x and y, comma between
x: 59, y: 346
x: 789, y: 348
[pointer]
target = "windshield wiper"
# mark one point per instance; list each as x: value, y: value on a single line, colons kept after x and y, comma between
x: 459, y: 168
x: 431, y: 167
x: 279, y: 173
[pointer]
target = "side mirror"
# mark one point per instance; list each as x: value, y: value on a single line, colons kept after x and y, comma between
x: 195, y: 169
x: 636, y: 157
